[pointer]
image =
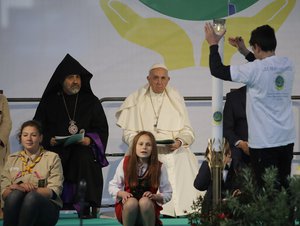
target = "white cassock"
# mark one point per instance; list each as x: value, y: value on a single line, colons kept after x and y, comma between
x: 165, y: 115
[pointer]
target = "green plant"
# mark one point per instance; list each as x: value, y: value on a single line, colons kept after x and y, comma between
x: 268, y: 206
x: 197, y: 217
x: 194, y: 217
x: 295, y: 195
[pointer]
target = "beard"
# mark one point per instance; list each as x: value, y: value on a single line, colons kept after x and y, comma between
x: 74, y: 89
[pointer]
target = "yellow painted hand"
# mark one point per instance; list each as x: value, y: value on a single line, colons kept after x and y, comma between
x: 158, y: 34
x: 273, y: 14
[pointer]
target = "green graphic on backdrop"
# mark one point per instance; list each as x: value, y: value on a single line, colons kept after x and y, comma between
x: 198, y: 9
x: 157, y: 34
x: 166, y: 38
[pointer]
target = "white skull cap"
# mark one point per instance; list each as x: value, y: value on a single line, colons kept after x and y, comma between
x: 158, y: 65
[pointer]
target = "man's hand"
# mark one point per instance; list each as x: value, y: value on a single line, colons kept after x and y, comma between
x: 236, y: 193
x: 238, y: 42
x: 210, y: 35
x: 177, y: 144
x: 53, y: 141
x: 86, y: 141
x: 244, y: 146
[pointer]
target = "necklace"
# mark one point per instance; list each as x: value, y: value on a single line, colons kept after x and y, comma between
x: 72, y: 127
x: 156, y: 114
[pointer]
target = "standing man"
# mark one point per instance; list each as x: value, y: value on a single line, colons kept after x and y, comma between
x: 269, y: 81
x: 160, y: 109
x: 68, y: 106
x: 235, y: 127
x: 5, y: 128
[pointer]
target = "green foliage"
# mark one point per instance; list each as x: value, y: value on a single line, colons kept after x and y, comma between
x: 196, y: 217
x: 295, y: 195
x: 267, y: 206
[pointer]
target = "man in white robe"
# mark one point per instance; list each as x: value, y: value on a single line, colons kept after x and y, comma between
x: 160, y: 109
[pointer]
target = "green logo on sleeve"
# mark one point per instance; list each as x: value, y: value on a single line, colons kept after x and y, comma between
x: 279, y: 82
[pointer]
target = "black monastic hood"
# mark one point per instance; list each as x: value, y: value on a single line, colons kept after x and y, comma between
x: 67, y: 67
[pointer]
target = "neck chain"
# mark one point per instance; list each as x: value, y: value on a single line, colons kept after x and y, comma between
x: 27, y: 168
x: 157, y: 114
x: 73, y: 127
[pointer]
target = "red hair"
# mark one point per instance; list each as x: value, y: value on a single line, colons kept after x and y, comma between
x: 153, y: 163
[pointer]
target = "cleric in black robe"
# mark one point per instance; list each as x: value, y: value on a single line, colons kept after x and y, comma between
x: 68, y: 106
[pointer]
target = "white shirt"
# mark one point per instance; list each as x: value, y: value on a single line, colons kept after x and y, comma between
x: 118, y: 183
x: 269, y: 106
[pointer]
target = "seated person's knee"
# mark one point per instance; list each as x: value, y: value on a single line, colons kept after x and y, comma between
x: 146, y: 204
x: 32, y: 199
x: 15, y: 196
x: 131, y: 204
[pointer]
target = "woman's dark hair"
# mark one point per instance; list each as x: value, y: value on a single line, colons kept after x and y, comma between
x: 264, y: 37
x: 32, y: 123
